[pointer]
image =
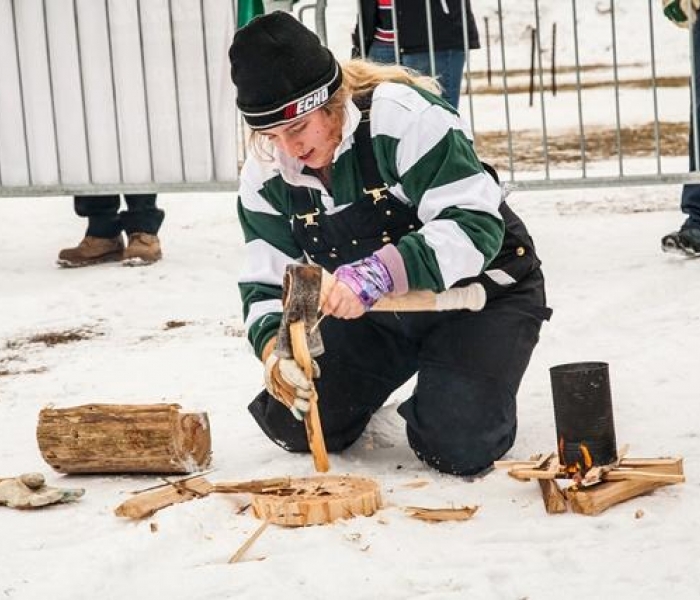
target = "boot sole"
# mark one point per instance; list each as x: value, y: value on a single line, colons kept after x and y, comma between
x: 112, y: 257
x: 690, y: 252
x: 673, y: 249
x: 680, y: 251
x: 138, y: 262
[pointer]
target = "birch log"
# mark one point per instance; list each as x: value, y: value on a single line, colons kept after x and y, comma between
x: 115, y: 438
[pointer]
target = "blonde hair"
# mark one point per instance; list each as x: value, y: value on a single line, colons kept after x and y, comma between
x: 360, y: 77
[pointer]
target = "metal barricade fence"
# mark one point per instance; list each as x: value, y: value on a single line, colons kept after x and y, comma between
x: 571, y: 93
x: 104, y: 96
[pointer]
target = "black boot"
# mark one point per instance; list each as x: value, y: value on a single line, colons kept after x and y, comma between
x: 685, y: 242
x: 690, y: 241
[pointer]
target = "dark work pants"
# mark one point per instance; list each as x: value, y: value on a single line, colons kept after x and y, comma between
x: 690, y: 197
x: 105, y: 220
x: 462, y: 414
x: 449, y: 66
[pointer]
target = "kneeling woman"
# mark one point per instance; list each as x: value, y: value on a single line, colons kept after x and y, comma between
x: 364, y: 170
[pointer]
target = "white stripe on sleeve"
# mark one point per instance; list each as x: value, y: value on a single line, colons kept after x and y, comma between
x: 258, y: 310
x: 265, y: 265
x: 457, y: 257
x: 478, y: 192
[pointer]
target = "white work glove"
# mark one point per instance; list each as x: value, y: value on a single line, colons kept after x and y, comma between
x: 285, y: 380
x: 678, y: 11
x: 29, y: 491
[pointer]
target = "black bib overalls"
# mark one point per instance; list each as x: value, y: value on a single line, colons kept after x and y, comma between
x: 462, y: 413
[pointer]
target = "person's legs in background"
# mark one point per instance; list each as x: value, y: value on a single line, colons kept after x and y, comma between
x: 141, y: 222
x: 449, y: 69
x: 382, y: 52
x: 449, y: 66
x: 103, y: 238
x: 687, y: 240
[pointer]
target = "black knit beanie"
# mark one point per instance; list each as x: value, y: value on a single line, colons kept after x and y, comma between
x: 281, y: 70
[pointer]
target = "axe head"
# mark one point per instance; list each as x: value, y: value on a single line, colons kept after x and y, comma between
x: 301, y: 295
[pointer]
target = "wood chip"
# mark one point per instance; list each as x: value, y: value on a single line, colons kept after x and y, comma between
x: 416, y: 484
x: 248, y: 543
x: 442, y: 514
x: 148, y: 503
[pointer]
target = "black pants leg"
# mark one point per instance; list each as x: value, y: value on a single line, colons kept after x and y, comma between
x: 102, y: 214
x: 142, y: 216
x: 462, y: 415
x: 364, y: 362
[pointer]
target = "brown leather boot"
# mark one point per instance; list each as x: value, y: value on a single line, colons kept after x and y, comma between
x: 143, y: 249
x: 92, y: 250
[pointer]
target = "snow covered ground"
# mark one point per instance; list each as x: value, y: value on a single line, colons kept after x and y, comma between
x: 616, y: 298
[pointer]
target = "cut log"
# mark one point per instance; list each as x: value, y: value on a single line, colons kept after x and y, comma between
x: 318, y: 501
x: 594, y: 500
x: 115, y: 438
x: 148, y: 503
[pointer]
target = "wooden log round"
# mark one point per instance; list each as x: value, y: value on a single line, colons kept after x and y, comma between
x: 318, y: 501
x: 116, y: 438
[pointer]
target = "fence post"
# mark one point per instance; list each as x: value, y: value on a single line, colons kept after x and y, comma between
x: 488, y: 51
x: 532, y: 65
x: 554, y: 59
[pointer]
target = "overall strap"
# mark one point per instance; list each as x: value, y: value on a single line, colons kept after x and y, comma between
x: 373, y: 185
x: 303, y: 207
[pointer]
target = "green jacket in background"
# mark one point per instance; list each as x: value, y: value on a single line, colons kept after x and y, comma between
x: 247, y: 9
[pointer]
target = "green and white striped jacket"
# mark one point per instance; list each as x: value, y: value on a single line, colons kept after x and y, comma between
x: 425, y: 155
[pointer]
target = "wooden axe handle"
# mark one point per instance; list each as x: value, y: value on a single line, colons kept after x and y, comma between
x: 312, y: 421
x: 471, y: 297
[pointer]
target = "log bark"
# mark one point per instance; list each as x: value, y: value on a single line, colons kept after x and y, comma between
x: 115, y: 438
x: 318, y: 501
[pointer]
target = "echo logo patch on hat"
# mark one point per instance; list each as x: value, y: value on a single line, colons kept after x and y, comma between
x: 306, y: 104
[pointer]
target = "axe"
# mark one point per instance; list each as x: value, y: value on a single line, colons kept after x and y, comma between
x: 299, y: 338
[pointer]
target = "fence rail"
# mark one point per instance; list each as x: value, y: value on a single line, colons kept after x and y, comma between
x: 134, y: 95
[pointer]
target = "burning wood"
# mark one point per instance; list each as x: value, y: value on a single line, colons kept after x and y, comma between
x: 597, y: 487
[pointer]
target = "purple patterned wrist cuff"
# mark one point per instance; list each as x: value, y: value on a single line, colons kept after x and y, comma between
x: 393, y: 261
x: 369, y: 279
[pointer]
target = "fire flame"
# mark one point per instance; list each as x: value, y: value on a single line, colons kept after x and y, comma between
x: 587, y: 458
x: 576, y: 469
